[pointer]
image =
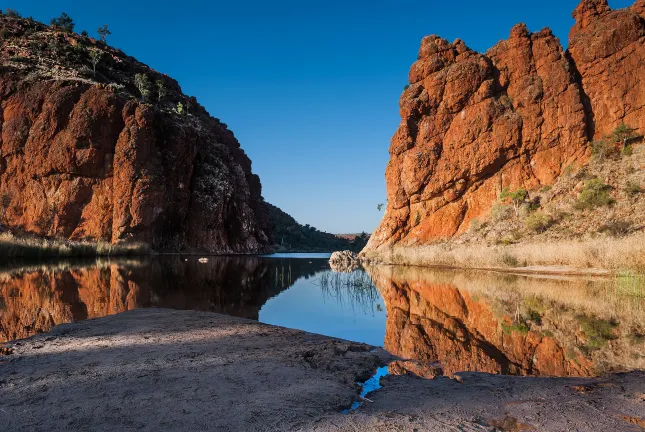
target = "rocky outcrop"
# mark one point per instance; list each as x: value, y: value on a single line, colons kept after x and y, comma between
x: 517, y: 116
x: 83, y: 156
x: 344, y: 261
x: 608, y: 49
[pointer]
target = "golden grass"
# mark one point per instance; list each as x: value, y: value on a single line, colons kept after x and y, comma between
x: 34, y: 247
x: 613, y: 254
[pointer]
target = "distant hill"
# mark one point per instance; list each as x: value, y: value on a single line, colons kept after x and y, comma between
x: 290, y: 236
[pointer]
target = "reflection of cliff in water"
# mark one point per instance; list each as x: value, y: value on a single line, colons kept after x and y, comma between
x: 451, y: 321
x: 34, y: 299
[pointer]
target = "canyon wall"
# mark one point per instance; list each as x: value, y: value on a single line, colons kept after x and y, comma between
x: 516, y: 116
x: 100, y: 156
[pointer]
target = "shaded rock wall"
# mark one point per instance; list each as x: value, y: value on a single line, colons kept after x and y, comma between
x: 82, y: 157
x: 516, y: 116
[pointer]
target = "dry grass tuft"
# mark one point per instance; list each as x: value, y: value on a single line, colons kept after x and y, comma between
x: 33, y: 247
x: 615, y: 254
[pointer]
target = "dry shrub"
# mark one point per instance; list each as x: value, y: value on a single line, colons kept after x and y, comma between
x: 35, y: 247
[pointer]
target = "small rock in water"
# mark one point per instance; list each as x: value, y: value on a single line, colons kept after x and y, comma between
x: 344, y: 261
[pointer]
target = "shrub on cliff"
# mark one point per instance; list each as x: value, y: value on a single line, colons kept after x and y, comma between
x: 12, y: 13
x: 517, y: 197
x: 602, y: 149
x: 104, y: 32
x: 594, y: 194
x: 180, y: 108
x: 143, y: 85
x: 63, y: 22
x: 95, y: 58
x: 162, y: 91
x: 538, y: 221
x: 622, y: 133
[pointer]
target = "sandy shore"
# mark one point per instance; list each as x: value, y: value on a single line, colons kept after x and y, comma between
x: 158, y: 370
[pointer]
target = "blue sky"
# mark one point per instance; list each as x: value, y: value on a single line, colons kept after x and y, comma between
x: 310, y: 88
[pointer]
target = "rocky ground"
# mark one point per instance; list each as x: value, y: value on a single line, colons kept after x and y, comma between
x: 158, y: 369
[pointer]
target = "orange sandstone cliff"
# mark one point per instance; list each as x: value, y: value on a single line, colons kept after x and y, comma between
x: 84, y: 155
x: 516, y: 116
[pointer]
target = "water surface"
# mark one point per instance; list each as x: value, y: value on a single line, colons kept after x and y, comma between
x: 439, y: 321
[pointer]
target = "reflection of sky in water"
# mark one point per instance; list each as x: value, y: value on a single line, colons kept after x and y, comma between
x: 343, y: 313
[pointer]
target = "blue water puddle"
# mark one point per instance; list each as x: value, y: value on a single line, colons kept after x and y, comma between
x: 372, y: 384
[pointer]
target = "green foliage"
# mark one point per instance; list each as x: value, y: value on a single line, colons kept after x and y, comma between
x: 633, y: 188
x: 407, y: 86
x: 517, y: 197
x: 12, y: 13
x: 289, y: 235
x: 84, y: 33
x: 627, y: 150
x: 546, y: 188
x: 143, y: 85
x: 623, y: 132
x: 180, y: 108
x: 597, y: 331
x: 538, y: 221
x: 520, y: 327
x: 95, y: 58
x: 603, y: 148
x: 379, y: 207
x: 569, y: 170
x: 63, y: 22
x: 509, y: 260
x: 594, y: 194
x: 162, y: 91
x: 104, y: 32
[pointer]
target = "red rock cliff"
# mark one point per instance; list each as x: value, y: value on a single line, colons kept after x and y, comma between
x: 83, y: 157
x: 516, y: 116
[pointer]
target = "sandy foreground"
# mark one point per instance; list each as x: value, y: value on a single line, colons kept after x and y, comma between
x: 157, y: 370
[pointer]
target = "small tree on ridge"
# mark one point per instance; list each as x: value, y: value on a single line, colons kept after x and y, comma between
x: 63, y: 22
x: 104, y: 32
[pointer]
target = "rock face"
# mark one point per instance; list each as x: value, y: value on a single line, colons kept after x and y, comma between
x: 516, y: 116
x: 82, y: 156
x: 446, y: 322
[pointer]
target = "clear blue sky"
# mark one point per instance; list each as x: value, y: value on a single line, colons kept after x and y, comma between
x: 310, y: 88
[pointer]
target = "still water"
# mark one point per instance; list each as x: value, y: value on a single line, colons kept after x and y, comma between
x: 439, y: 321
